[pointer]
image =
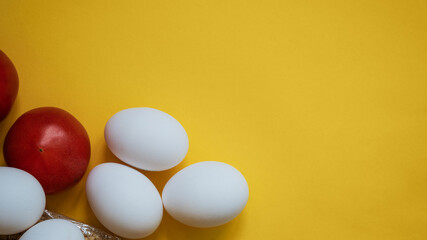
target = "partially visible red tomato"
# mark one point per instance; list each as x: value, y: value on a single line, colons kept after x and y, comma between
x: 50, y: 144
x: 9, y: 85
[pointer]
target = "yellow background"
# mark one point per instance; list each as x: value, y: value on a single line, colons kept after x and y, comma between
x: 322, y: 105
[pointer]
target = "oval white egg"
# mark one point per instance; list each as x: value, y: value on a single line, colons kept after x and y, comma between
x: 146, y: 138
x: 206, y: 194
x: 22, y: 200
x: 124, y: 200
x: 53, y: 229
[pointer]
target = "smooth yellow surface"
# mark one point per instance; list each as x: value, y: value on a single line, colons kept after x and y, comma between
x: 322, y: 105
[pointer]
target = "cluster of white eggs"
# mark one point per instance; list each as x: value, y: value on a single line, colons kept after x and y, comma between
x: 204, y: 194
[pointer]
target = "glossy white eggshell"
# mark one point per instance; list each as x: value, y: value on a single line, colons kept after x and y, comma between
x: 22, y: 200
x: 124, y: 200
x: 54, y: 229
x: 146, y: 138
x: 206, y: 194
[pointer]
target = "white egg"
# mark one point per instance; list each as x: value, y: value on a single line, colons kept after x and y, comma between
x: 124, y: 200
x: 146, y: 138
x: 22, y: 200
x: 53, y: 229
x: 206, y: 194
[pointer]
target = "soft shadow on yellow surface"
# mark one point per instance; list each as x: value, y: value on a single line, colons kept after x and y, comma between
x: 6, y: 124
x: 65, y: 201
x: 173, y: 229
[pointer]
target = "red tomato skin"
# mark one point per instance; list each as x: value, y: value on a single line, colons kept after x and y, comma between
x: 9, y: 85
x: 50, y: 144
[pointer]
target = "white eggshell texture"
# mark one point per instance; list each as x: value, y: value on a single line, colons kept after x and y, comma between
x: 54, y: 229
x: 124, y: 200
x: 22, y: 200
x: 206, y: 194
x: 146, y: 138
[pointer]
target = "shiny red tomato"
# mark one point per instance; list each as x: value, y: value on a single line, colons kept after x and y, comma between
x: 50, y: 144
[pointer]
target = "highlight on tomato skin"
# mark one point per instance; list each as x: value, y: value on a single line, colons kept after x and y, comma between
x: 50, y: 144
x: 9, y: 85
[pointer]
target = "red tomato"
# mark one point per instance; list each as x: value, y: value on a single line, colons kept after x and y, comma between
x: 50, y: 144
